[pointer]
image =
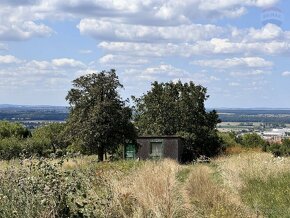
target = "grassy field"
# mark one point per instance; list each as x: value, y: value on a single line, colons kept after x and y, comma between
x: 245, y: 185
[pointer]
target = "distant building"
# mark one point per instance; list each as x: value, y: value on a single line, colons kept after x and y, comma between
x: 155, y: 147
x: 276, y: 135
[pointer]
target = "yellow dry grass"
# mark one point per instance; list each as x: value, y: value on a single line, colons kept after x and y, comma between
x: 152, y: 188
x: 235, y: 169
x: 152, y: 191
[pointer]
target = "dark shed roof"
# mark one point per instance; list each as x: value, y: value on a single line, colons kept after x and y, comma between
x: 158, y: 136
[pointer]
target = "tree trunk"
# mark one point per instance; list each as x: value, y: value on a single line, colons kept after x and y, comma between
x: 101, y: 153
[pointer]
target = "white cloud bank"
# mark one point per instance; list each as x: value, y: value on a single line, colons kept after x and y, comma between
x: 249, y: 62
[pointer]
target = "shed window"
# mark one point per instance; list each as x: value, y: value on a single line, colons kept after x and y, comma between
x: 156, y: 149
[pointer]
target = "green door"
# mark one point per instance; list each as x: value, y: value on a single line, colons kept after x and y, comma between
x: 130, y: 151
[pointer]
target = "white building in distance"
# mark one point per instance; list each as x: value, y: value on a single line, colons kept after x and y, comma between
x: 276, y: 135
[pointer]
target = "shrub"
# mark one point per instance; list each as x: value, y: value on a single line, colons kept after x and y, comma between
x: 42, y: 189
x: 280, y: 149
x: 10, y: 148
x: 251, y: 140
x: 9, y: 129
x: 229, y: 139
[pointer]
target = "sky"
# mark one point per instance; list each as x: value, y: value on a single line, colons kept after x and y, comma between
x: 238, y: 49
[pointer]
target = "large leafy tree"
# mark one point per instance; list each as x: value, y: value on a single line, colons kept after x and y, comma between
x: 178, y: 109
x: 99, y: 118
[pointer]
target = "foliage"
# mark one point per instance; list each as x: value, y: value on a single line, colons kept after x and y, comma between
x: 10, y: 148
x: 280, y: 149
x: 54, y: 134
x: 251, y: 140
x: 9, y: 129
x: 229, y: 139
x: 42, y: 189
x: 98, y: 116
x: 49, y: 188
x: 44, y: 141
x: 178, y: 109
x: 234, y: 144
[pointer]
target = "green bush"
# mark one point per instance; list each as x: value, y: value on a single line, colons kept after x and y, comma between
x: 10, y: 148
x: 36, y: 146
x: 42, y: 189
x: 280, y: 149
x: 229, y: 139
x: 9, y: 129
x: 16, y: 140
x: 251, y: 140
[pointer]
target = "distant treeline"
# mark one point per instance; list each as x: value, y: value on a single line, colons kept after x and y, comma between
x: 61, y: 113
x: 248, y: 115
x: 26, y: 113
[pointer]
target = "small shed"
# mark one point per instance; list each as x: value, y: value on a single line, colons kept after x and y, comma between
x: 156, y: 147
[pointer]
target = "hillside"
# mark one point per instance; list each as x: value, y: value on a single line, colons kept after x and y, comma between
x: 245, y: 185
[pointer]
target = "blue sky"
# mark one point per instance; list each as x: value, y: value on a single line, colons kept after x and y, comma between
x: 238, y: 49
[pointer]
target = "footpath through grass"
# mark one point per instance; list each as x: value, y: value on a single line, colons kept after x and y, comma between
x: 245, y: 185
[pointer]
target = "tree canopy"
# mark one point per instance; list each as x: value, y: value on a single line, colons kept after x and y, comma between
x: 99, y: 118
x: 9, y: 129
x: 178, y: 109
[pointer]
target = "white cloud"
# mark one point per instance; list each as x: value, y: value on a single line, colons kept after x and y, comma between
x: 214, y: 46
x: 249, y: 62
x: 250, y: 74
x: 8, y: 59
x: 115, y: 31
x: 269, y: 32
x: 121, y: 60
x: 140, y: 49
x: 166, y: 72
x: 159, y: 11
x: 286, y: 73
x: 54, y: 74
x: 67, y: 62
x: 15, y: 30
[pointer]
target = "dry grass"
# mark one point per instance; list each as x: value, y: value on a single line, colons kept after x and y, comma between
x: 168, y: 189
x: 233, y: 150
x: 206, y: 198
x: 152, y: 190
x: 238, y: 168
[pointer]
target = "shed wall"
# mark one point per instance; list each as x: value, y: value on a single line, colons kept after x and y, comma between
x: 172, y: 147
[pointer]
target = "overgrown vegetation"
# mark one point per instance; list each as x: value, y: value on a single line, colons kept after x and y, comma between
x: 269, y: 197
x: 248, y: 185
x: 279, y: 149
x: 17, y: 141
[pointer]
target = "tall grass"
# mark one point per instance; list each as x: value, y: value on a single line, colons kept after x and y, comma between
x: 153, y: 189
x: 260, y: 181
x: 270, y: 198
x: 245, y: 185
x: 237, y: 169
x: 209, y: 199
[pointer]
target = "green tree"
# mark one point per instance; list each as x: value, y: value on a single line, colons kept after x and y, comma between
x: 98, y: 116
x: 178, y: 109
x: 53, y: 136
x: 251, y: 140
x: 9, y: 129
